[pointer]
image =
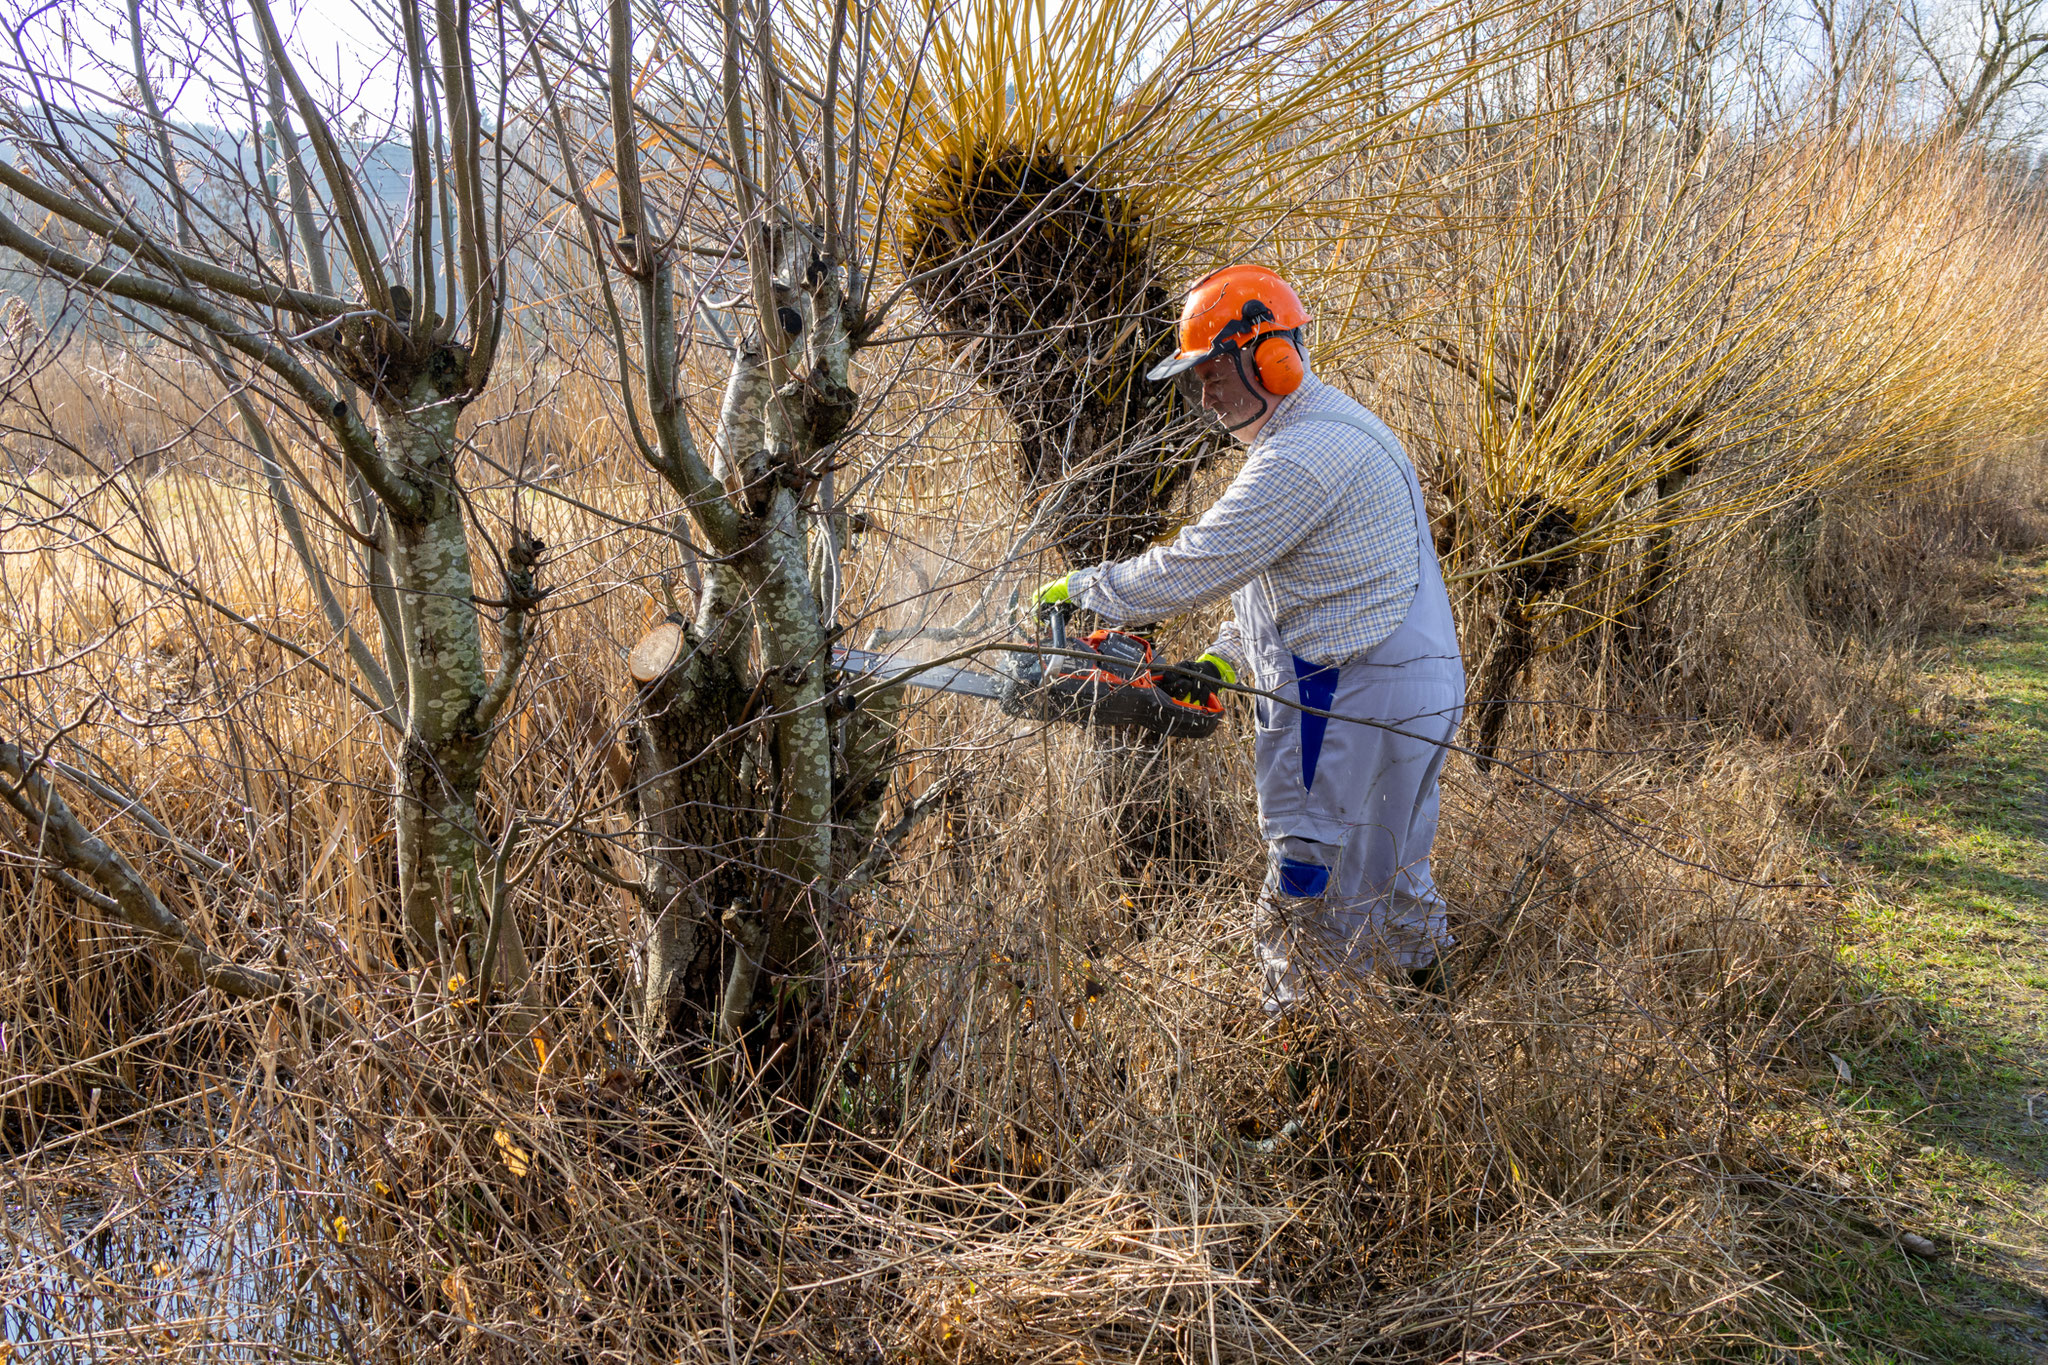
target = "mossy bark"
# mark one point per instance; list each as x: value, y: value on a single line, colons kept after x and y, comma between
x: 753, y: 914
x: 447, y: 733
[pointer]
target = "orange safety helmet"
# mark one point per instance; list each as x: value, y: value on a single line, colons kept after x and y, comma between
x: 1242, y: 309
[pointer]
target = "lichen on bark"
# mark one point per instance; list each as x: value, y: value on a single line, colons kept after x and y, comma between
x: 447, y: 738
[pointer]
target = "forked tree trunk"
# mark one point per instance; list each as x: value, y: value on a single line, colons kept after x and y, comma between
x: 786, y: 404
x: 740, y: 855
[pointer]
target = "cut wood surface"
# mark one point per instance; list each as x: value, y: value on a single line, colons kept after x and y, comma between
x: 656, y: 653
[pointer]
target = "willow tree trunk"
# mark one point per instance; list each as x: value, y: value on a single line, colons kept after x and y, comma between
x: 1647, y: 628
x: 449, y: 692
x: 793, y: 638
x: 694, y: 821
x: 739, y: 811
x: 1535, y: 533
x: 1066, y: 319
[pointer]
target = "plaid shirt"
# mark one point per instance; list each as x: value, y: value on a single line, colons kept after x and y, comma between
x: 1320, y: 515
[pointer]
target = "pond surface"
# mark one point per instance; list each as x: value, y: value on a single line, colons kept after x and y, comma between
x: 178, y: 1248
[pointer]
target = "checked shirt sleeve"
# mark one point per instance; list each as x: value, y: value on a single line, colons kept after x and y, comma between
x: 1229, y: 645
x: 1269, y: 507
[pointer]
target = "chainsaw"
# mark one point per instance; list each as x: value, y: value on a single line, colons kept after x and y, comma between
x: 1105, y: 679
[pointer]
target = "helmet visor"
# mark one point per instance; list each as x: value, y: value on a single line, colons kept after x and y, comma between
x: 1178, y: 363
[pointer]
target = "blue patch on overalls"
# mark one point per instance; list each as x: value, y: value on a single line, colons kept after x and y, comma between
x: 1298, y: 878
x: 1316, y: 686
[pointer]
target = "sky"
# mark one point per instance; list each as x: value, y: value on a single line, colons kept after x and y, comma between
x: 334, y: 44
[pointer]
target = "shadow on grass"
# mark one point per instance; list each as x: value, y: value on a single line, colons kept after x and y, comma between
x: 1951, y: 853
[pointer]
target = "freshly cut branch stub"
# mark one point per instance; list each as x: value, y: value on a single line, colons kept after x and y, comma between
x: 657, y: 652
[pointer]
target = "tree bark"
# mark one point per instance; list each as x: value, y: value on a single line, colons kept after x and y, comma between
x: 447, y: 736
x: 695, y: 824
x: 1534, y: 532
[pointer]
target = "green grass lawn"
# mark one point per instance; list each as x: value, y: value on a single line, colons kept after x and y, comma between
x: 1948, y: 864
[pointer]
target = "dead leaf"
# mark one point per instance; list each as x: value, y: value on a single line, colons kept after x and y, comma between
x: 517, y: 1159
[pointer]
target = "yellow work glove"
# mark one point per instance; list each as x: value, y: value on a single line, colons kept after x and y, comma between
x: 1195, y: 680
x: 1054, y: 592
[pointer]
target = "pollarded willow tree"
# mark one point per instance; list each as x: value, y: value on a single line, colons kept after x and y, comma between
x: 754, y: 796
x: 1069, y: 175
x: 347, y: 297
x: 1066, y: 175
x: 1632, y: 318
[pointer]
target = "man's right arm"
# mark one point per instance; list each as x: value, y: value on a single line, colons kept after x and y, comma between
x: 1269, y: 508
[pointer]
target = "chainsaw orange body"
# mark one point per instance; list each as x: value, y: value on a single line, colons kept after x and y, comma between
x: 1107, y: 678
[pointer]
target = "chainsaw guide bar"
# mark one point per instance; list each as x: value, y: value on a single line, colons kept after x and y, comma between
x: 866, y: 663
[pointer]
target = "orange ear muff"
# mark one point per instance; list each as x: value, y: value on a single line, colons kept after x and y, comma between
x: 1276, y: 360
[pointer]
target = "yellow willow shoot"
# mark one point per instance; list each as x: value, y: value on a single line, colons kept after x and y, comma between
x: 1209, y: 121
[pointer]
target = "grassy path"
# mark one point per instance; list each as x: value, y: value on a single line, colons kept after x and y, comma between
x: 1949, y: 858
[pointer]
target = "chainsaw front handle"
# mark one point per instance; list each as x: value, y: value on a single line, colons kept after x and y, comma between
x: 1055, y: 616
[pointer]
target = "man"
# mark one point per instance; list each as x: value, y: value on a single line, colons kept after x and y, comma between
x: 1340, y: 611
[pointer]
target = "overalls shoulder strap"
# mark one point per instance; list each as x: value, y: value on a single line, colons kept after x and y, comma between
x: 1426, y: 642
x: 1346, y: 419
x: 1374, y: 430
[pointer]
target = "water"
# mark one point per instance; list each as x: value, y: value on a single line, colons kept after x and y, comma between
x: 178, y: 1249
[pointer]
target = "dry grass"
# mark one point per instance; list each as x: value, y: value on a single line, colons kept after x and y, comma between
x: 1036, y: 1142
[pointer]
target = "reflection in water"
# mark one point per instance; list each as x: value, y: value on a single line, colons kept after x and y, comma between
x: 181, y: 1247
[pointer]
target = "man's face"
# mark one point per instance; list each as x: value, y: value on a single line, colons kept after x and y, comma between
x: 1233, y: 398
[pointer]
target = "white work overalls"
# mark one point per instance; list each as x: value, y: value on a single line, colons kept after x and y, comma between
x: 1349, y: 810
